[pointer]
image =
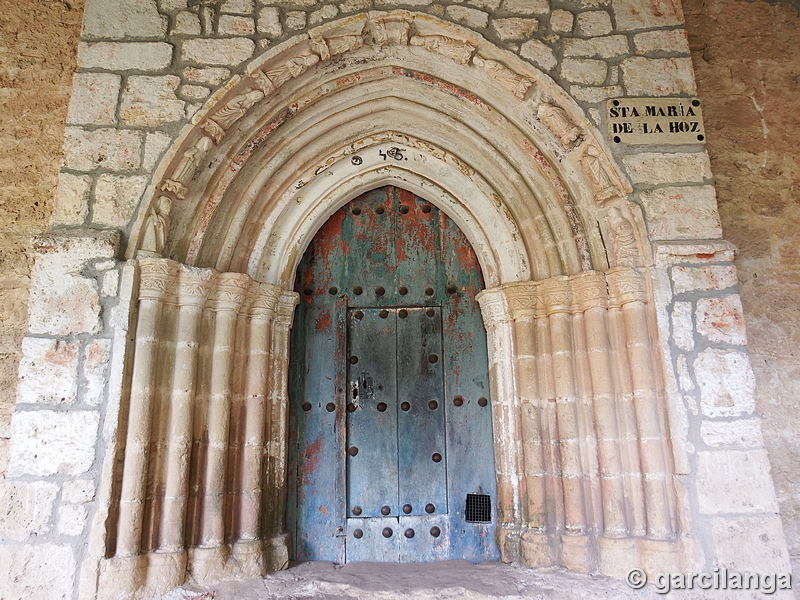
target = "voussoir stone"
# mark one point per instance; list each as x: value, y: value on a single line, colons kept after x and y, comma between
x: 218, y: 52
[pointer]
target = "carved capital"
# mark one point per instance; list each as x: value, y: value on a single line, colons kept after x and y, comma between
x: 265, y: 302
x: 494, y: 307
x: 229, y: 291
x: 194, y: 285
x: 286, y: 302
x: 626, y: 285
x: 524, y: 300
x: 557, y: 296
x: 589, y: 290
x: 157, y: 278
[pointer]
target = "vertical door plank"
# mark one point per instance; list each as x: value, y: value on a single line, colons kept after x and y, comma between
x: 371, y: 381
x: 420, y: 429
x: 469, y: 426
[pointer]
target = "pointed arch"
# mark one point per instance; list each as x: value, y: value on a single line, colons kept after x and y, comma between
x: 474, y: 121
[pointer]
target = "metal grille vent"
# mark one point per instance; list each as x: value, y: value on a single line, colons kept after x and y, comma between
x: 479, y: 508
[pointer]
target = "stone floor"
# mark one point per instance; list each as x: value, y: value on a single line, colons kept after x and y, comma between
x: 433, y: 581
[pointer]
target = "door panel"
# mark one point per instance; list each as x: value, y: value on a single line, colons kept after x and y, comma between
x: 372, y: 413
x: 422, y: 452
x: 388, y: 316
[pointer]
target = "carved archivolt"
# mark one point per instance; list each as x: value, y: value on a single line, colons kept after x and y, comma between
x: 394, y: 34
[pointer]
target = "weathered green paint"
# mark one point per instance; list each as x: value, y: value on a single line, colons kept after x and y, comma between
x: 387, y: 316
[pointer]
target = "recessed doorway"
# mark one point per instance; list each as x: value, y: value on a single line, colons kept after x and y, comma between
x: 391, y: 448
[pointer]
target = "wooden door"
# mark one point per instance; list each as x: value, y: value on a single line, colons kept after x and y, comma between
x: 390, y: 429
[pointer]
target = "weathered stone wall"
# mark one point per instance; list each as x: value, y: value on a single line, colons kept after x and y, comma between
x: 38, y: 45
x: 748, y: 74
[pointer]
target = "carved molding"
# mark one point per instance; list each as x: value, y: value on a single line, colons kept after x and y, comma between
x: 626, y: 285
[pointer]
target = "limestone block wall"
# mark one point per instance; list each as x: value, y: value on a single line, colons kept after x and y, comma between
x: 145, y: 68
x: 748, y: 78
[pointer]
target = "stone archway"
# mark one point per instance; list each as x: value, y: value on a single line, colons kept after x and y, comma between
x: 583, y: 460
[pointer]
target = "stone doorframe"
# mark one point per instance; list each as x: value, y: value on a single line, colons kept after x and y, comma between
x: 587, y: 445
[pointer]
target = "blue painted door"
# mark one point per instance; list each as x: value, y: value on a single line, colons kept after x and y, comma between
x: 391, y: 455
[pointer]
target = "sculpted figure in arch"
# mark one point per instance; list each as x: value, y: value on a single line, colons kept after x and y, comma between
x: 156, y: 228
x: 559, y: 123
x: 390, y: 31
x: 272, y: 79
x: 237, y: 108
x: 604, y: 186
x: 185, y: 168
x: 626, y: 252
x: 509, y: 79
x: 458, y: 50
x: 327, y: 47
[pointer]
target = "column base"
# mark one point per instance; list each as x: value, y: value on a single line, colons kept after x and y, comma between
x: 577, y: 553
x: 536, y: 549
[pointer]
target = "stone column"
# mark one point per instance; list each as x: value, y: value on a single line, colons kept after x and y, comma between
x: 533, y: 369
x: 251, y: 484
x: 193, y: 288
x: 629, y: 291
x: 226, y: 301
x: 506, y: 420
x: 591, y: 296
x: 276, y: 549
x: 156, y: 283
